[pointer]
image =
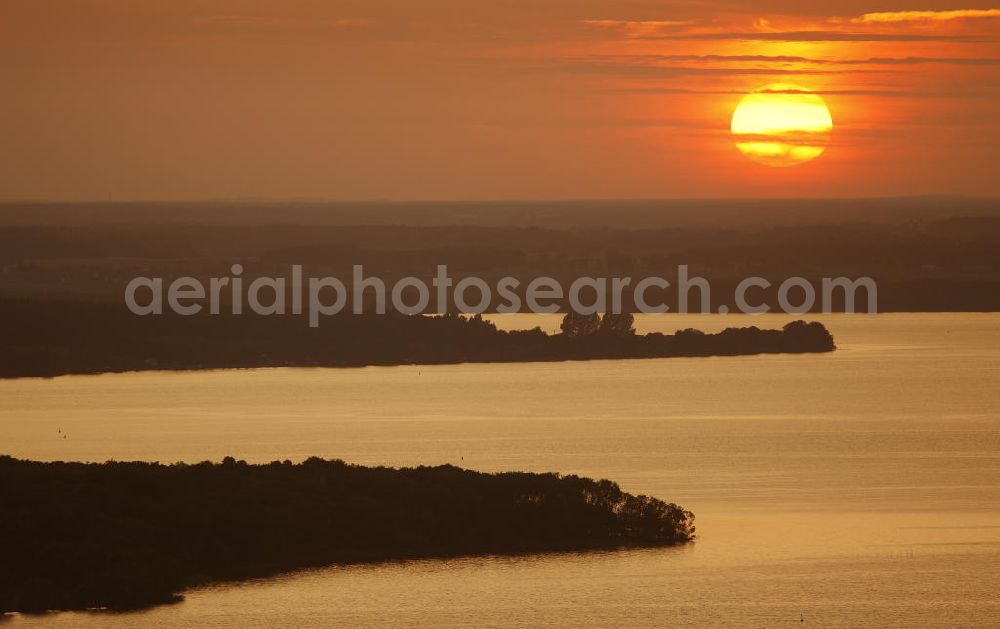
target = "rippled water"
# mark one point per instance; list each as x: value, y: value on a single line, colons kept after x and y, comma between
x: 859, y: 488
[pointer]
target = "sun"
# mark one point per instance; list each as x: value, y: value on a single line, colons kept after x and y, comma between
x: 781, y: 125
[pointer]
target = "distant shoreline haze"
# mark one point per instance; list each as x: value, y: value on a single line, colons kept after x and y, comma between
x: 731, y: 212
x: 924, y: 254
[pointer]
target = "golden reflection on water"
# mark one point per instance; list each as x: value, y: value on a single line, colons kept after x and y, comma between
x: 859, y: 488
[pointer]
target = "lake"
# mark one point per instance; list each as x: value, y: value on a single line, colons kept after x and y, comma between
x: 858, y: 488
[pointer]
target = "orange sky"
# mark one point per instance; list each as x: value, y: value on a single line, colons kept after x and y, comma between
x: 468, y: 99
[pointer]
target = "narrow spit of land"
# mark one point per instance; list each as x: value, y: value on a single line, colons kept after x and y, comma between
x: 59, y: 338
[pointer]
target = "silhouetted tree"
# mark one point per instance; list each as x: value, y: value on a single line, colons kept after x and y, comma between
x: 688, y: 333
x: 575, y: 324
x: 623, y: 323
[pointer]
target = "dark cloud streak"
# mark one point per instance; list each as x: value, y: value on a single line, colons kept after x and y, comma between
x: 662, y: 71
x: 819, y: 36
x: 965, y: 61
x: 666, y: 91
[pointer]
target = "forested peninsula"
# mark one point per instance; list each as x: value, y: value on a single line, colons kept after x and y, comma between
x: 123, y: 536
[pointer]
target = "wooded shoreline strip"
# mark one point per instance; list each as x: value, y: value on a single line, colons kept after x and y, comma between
x: 60, y: 338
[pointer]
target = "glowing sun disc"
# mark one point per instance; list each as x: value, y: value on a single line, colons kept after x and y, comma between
x: 781, y: 125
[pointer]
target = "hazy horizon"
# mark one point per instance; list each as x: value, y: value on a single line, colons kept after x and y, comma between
x: 493, y: 200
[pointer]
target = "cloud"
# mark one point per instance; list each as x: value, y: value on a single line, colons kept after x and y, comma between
x: 818, y: 36
x: 665, y: 71
x: 718, y: 58
x: 925, y: 16
x: 962, y: 61
x: 888, y: 93
x: 639, y: 28
x: 637, y: 23
x: 811, y: 60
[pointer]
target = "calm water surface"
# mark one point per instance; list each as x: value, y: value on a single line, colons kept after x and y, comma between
x: 859, y: 488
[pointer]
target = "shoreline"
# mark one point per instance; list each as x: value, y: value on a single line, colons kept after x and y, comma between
x: 197, y: 369
x: 53, y: 339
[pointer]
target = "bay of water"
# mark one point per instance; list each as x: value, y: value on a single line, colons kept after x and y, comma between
x: 858, y: 488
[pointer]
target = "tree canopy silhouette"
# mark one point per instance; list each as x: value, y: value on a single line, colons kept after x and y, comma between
x: 623, y: 323
x: 575, y: 324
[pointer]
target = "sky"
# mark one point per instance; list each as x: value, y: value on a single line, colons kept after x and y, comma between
x: 499, y: 99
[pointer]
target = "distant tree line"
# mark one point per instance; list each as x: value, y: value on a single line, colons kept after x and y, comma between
x: 940, y: 256
x: 54, y: 338
x: 575, y: 325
